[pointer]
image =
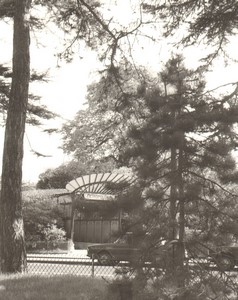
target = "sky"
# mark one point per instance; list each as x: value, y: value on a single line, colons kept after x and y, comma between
x: 65, y: 92
x: 65, y: 95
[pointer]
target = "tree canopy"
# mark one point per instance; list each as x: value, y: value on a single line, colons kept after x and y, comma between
x: 212, y: 22
x: 177, y: 136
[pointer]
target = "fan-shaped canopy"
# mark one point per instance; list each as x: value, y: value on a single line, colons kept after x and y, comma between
x: 97, y: 186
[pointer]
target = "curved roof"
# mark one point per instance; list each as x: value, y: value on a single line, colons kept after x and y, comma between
x: 97, y: 183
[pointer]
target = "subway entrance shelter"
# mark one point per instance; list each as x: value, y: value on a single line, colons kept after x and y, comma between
x: 91, y: 195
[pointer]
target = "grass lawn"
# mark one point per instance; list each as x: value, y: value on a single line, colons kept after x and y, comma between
x: 26, y: 287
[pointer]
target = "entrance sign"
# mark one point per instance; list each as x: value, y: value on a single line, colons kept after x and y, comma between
x: 96, y: 196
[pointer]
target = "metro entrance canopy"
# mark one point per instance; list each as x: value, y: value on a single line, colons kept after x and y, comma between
x: 95, y: 186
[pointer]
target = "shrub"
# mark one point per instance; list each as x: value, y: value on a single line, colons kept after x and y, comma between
x: 52, y: 233
x: 43, y: 218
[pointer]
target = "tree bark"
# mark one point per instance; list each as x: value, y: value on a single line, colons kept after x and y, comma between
x: 13, y: 253
x: 180, y: 255
x: 173, y: 195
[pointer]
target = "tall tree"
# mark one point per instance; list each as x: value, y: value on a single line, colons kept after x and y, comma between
x: 79, y: 20
x: 13, y: 253
x: 179, y: 138
x: 187, y: 137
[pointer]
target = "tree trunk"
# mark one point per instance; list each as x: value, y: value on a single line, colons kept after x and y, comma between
x: 173, y: 195
x: 13, y: 253
x: 180, y: 255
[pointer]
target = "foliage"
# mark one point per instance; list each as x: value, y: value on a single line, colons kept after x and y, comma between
x: 35, y: 112
x: 183, y: 151
x: 88, y: 23
x: 146, y: 130
x: 194, y: 122
x: 211, y: 22
x: 52, y: 233
x: 113, y: 105
x: 59, y: 177
x: 43, y: 218
x: 179, y: 138
x: 6, y: 8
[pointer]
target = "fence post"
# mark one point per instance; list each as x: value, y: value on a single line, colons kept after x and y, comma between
x: 93, y: 265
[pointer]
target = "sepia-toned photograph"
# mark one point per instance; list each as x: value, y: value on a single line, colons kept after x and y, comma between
x: 118, y: 150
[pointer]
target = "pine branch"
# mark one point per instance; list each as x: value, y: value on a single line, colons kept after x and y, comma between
x: 217, y: 209
x: 213, y: 182
x: 97, y: 18
x: 38, y: 154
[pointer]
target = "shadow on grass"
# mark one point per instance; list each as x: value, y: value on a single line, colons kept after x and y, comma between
x: 26, y: 287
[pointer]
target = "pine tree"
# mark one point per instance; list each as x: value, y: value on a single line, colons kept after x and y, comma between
x: 79, y: 21
x: 13, y: 253
x: 179, y: 139
x: 183, y: 150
